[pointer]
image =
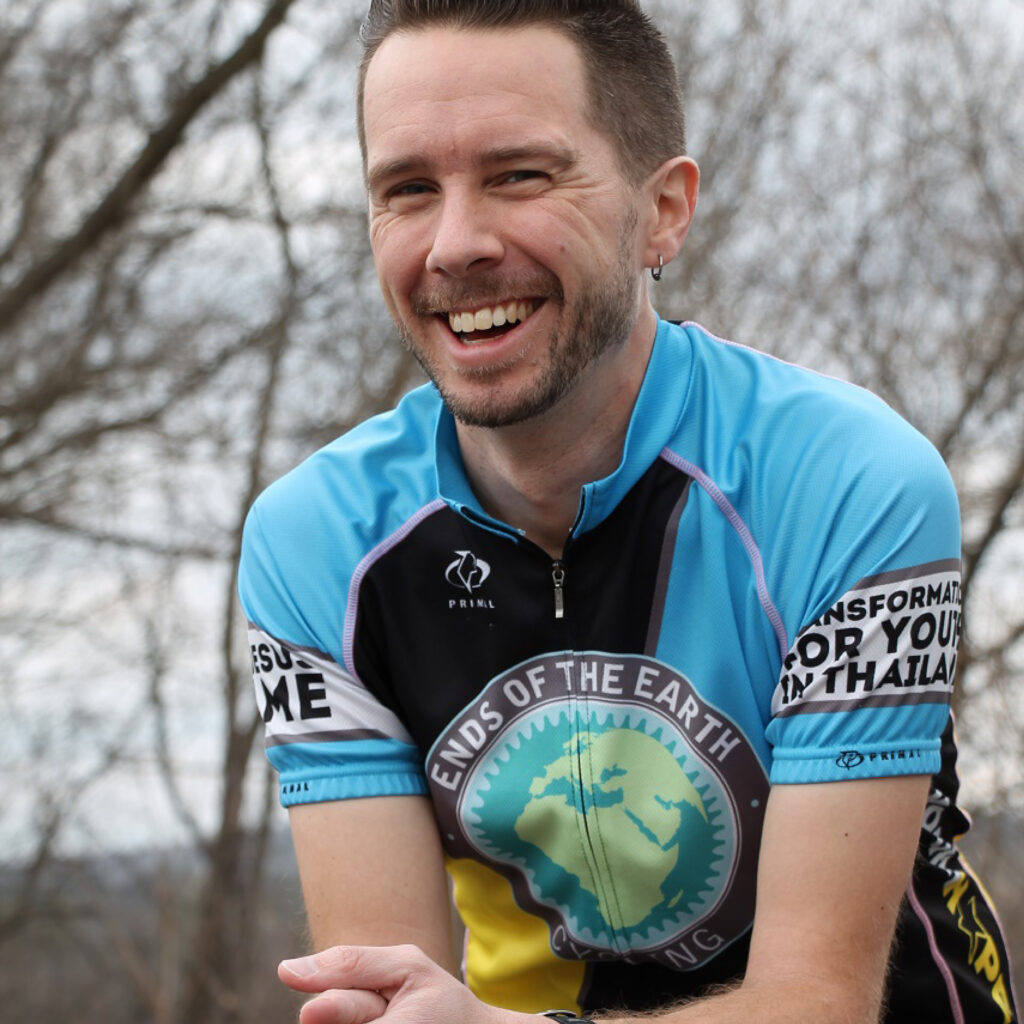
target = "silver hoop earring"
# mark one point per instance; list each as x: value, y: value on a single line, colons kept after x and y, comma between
x: 656, y: 271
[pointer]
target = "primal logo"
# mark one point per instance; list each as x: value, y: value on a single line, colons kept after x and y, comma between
x: 624, y: 810
x: 850, y: 759
x: 467, y: 571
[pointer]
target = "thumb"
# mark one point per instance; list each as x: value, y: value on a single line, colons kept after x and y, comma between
x: 351, y: 1006
x: 381, y: 969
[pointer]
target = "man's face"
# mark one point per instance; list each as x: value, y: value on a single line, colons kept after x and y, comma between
x: 504, y: 234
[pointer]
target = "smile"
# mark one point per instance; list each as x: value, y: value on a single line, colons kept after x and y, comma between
x: 488, y: 318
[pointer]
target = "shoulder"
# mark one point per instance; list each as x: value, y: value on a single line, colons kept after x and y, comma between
x: 389, y: 456
x: 306, y: 534
x: 833, y: 484
x: 745, y: 389
x: 792, y: 426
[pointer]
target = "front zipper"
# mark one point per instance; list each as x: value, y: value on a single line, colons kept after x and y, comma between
x: 558, y: 578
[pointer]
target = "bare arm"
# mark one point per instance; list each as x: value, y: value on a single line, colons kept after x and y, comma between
x: 835, y: 860
x: 373, y: 874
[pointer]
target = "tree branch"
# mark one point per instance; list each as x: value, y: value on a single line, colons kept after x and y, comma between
x: 1009, y: 489
x: 112, y: 209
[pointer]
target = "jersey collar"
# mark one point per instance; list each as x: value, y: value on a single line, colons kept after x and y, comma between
x: 656, y: 416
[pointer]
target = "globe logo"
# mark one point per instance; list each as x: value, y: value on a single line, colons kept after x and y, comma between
x: 594, y: 808
x: 622, y: 807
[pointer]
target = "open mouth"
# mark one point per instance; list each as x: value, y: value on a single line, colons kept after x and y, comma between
x: 474, y: 327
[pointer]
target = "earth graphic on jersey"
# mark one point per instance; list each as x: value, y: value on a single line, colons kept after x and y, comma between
x: 614, y: 824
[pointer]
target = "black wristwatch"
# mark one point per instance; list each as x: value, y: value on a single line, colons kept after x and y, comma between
x: 566, y: 1017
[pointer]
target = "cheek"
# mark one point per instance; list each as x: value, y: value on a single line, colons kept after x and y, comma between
x: 397, y: 262
x: 381, y: 243
x: 589, y: 235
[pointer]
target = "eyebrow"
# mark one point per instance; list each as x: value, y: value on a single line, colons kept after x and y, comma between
x: 393, y: 169
x: 561, y: 156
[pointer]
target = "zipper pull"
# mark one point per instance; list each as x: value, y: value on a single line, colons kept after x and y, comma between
x: 558, y: 578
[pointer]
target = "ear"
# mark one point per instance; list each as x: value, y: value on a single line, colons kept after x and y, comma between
x: 671, y: 193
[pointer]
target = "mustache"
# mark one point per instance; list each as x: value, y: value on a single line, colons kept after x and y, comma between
x: 487, y: 288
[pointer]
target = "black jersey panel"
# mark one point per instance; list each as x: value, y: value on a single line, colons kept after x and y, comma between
x: 455, y: 603
x: 950, y: 962
x: 442, y: 612
x: 633, y: 987
x: 616, y: 574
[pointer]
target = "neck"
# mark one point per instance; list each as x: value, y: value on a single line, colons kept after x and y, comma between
x: 529, y: 474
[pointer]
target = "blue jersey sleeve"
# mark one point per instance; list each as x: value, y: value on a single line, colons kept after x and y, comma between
x: 327, y: 734
x: 872, y: 605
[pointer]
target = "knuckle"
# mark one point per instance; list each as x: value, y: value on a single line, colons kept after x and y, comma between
x: 417, y: 960
x: 338, y: 958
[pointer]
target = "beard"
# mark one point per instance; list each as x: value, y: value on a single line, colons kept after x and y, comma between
x: 596, y: 322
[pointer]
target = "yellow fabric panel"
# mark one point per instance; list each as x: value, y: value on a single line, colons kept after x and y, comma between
x: 509, y: 961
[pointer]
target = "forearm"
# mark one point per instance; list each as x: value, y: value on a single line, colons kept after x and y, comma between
x: 787, y: 1000
x: 359, y: 890
x: 401, y: 985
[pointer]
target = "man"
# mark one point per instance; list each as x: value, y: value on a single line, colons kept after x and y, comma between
x: 628, y: 625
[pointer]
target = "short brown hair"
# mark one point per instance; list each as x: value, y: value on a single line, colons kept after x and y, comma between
x: 634, y: 94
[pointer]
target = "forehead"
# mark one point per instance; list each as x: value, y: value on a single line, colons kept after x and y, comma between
x: 437, y: 89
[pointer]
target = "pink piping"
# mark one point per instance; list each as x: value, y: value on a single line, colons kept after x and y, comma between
x: 947, y: 974
x: 379, y: 551
x: 743, y: 531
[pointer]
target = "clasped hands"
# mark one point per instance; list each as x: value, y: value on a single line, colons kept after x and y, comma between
x: 390, y: 984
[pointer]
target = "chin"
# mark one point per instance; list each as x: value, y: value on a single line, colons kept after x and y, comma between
x: 503, y: 410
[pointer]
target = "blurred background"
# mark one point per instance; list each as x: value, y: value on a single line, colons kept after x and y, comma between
x: 188, y: 307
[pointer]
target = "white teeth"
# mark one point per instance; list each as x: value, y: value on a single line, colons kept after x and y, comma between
x: 485, y: 319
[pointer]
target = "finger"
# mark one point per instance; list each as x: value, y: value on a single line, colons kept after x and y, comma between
x: 349, y: 1006
x: 374, y: 968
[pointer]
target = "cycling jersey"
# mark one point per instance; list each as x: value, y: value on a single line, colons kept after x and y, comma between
x: 765, y: 591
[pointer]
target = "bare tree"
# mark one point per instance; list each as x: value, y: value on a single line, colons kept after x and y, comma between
x: 163, y: 294
x: 861, y: 213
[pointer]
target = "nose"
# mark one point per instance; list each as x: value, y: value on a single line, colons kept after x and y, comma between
x: 464, y: 239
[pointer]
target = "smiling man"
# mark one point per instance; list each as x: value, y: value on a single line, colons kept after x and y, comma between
x: 647, y: 637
